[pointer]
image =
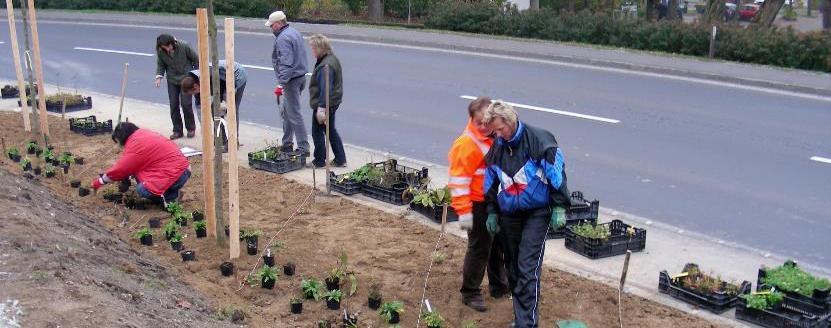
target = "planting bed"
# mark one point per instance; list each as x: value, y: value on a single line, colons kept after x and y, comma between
x: 380, y: 246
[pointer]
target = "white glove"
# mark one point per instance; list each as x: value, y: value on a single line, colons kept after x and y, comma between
x: 320, y: 115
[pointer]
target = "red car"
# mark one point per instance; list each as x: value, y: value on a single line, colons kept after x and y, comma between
x: 748, y: 12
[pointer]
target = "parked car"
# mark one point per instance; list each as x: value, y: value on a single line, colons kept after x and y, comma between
x: 748, y: 12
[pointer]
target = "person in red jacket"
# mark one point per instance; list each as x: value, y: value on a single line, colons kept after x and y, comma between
x: 157, y: 163
x: 466, y: 184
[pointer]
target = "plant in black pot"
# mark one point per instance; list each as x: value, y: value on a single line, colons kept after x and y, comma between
x: 145, y: 236
x: 188, y: 256
x: 174, y: 207
x: 83, y: 191
x: 14, y: 154
x: 26, y: 164
x: 49, y: 171
x: 32, y: 147
x: 49, y: 157
x: 227, y: 268
x: 37, y: 170
x: 333, y: 299
x: 176, y: 241
x: 65, y: 160
x: 374, y: 299
x: 80, y: 161
x: 268, y: 258
x: 197, y: 215
x: 289, y: 269
x: 391, y: 311
x: 311, y: 289
x: 333, y: 280
x: 75, y: 183
x: 170, y: 229
x: 296, y: 305
x: 201, y: 229
x: 250, y: 236
x: 268, y: 276
x: 432, y: 319
x: 154, y: 223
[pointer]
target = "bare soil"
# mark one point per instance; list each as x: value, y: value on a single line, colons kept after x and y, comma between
x: 381, y: 247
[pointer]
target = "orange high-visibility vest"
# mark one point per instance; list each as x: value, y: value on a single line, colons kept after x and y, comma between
x: 467, y: 170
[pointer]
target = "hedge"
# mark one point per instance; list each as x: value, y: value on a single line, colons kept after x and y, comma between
x: 778, y: 47
x: 244, y: 8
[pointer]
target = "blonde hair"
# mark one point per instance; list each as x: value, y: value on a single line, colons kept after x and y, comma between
x: 500, y: 109
x: 321, y: 44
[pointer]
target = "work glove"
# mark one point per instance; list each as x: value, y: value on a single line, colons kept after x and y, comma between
x: 278, y: 91
x: 97, y: 183
x: 320, y: 115
x: 492, y: 224
x: 158, y: 80
x: 558, y: 218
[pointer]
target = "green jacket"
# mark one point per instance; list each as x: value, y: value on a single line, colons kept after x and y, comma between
x: 177, y: 65
x: 316, y: 89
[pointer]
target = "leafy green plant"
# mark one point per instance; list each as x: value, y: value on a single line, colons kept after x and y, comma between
x: 181, y: 217
x: 763, y: 300
x: 176, y: 238
x: 32, y: 146
x: 589, y: 230
x: 143, y: 233
x: 311, y: 288
x: 249, y: 233
x: 295, y: 300
x: 174, y: 207
x: 432, y: 319
x: 49, y: 169
x: 341, y: 271
x: 470, y: 324
x: 12, y: 152
x: 200, y: 225
x: 267, y: 273
x: 694, y: 279
x: 432, y: 197
x: 170, y: 229
x: 25, y: 163
x: 333, y: 295
x: 361, y: 174
x: 66, y: 159
x: 790, y: 278
x: 48, y: 155
x: 388, y: 308
x: 439, y: 257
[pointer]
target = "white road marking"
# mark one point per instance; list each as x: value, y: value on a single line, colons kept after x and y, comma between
x: 507, y: 57
x: 258, y: 67
x: 821, y: 159
x: 114, y: 51
x: 560, y: 112
x: 1, y: 42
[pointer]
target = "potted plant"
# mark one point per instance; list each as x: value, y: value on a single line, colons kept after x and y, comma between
x: 432, y: 319
x: 227, y: 268
x: 310, y: 288
x: 170, y: 229
x: 268, y: 258
x: 49, y: 171
x: 145, y: 236
x: 323, y: 323
x: 333, y: 299
x: 391, y: 311
x: 176, y: 241
x: 26, y: 165
x: 200, y: 227
x: 174, y: 207
x: 288, y: 269
x: 14, y: 154
x: 65, y: 160
x: 154, y: 223
x: 197, y: 215
x: 181, y: 218
x: 74, y: 183
x: 49, y: 156
x: 268, y: 276
x: 37, y: 170
x: 32, y: 147
x: 80, y: 161
x: 188, y: 256
x: 374, y: 299
x: 83, y: 191
x: 333, y: 280
x: 296, y: 305
x: 251, y: 240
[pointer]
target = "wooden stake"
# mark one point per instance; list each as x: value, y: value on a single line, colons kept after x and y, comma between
x: 123, y: 90
x: 327, y: 145
x: 44, y: 121
x: 233, y: 161
x: 207, y: 124
x: 63, y: 108
x: 21, y: 85
x: 443, y: 217
x: 3, y: 139
x: 625, y: 269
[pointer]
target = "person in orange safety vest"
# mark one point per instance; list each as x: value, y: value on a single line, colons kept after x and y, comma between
x: 466, y: 184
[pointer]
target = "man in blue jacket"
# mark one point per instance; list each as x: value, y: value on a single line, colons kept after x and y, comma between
x: 289, y: 60
x: 526, y: 192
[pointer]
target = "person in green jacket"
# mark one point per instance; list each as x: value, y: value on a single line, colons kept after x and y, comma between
x: 175, y: 59
x: 322, y: 52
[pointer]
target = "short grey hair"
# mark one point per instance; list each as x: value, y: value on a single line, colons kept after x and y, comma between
x: 321, y: 44
x: 500, y: 109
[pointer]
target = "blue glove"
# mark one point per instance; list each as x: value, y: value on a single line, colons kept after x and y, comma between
x: 558, y: 218
x: 492, y: 224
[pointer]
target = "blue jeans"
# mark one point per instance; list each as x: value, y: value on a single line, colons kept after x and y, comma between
x: 171, y: 194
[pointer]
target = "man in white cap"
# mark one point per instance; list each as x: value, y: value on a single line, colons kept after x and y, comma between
x: 289, y: 60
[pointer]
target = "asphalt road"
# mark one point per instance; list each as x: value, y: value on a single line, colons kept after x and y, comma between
x: 732, y: 163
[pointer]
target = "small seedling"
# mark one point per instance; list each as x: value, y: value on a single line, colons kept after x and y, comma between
x: 311, y: 288
x: 248, y: 234
x: 333, y: 295
x: 170, y: 229
x: 439, y: 257
x: 143, y: 233
x: 13, y: 152
x: 49, y: 170
x: 49, y: 155
x: 26, y: 164
x: 66, y: 159
x: 433, y: 319
x: 388, y: 308
x: 763, y: 300
x: 176, y: 238
x: 592, y: 231
x: 174, y: 207
x: 267, y: 273
x: 788, y: 277
x: 200, y: 225
x: 32, y: 147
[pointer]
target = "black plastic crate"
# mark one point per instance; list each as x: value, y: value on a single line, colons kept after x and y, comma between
x: 818, y: 305
x: 396, y: 195
x: 345, y: 186
x: 435, y: 213
x: 580, y: 211
x: 89, y: 126
x: 411, y: 176
x: 9, y: 91
x: 282, y: 163
x: 618, y: 243
x: 778, y: 317
x: 57, y: 107
x: 713, y: 302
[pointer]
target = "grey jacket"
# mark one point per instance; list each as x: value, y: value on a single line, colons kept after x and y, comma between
x: 240, y: 79
x: 177, y: 65
x: 289, y: 55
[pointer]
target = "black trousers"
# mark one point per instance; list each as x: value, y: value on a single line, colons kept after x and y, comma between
x: 319, y: 139
x: 524, y: 240
x: 179, y: 98
x: 483, y: 253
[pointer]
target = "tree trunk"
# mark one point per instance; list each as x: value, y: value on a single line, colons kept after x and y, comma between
x: 826, y: 14
x: 650, y: 10
x: 376, y: 10
x: 27, y: 49
x: 218, y: 146
x: 767, y: 13
x: 672, y: 10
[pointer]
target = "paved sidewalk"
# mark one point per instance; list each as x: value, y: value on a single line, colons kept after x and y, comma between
x: 610, y: 58
x: 668, y: 248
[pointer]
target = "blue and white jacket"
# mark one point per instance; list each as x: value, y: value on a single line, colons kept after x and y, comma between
x: 525, y: 173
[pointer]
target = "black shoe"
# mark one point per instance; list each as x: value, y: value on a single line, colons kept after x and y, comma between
x: 176, y: 135
x: 497, y: 294
x: 318, y: 165
x: 287, y: 148
x: 191, y: 134
x: 475, y: 302
x: 335, y: 164
x: 304, y: 152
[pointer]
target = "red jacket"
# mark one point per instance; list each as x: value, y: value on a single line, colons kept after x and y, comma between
x: 152, y: 158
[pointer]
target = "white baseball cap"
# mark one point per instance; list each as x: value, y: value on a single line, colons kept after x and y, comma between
x: 275, y: 17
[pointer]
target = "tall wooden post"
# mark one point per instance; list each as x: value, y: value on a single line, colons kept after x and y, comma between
x: 123, y: 90
x: 44, y: 121
x: 327, y: 146
x: 207, y: 123
x: 24, y: 107
x: 30, y: 75
x: 233, y: 162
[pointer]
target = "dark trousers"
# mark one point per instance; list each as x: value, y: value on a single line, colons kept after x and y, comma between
x: 524, y: 239
x: 170, y: 195
x: 177, y: 99
x: 319, y: 139
x: 483, y: 252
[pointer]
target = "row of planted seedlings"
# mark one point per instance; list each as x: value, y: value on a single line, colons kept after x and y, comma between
x: 173, y: 230
x: 37, y: 160
x: 273, y: 159
x: 386, y: 181
x: 785, y: 296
